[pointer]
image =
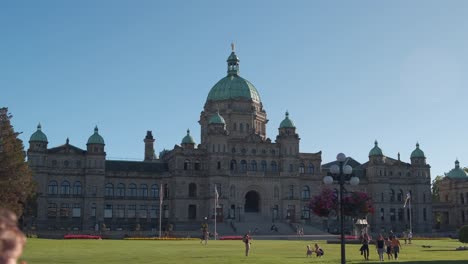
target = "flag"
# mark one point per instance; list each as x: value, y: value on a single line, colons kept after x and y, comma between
x: 407, y: 200
x: 161, y: 195
x: 216, y: 193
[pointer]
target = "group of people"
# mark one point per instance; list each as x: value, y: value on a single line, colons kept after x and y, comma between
x: 317, y: 250
x: 12, y: 240
x: 390, y: 245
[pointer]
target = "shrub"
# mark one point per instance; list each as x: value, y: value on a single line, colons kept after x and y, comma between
x: 463, y: 234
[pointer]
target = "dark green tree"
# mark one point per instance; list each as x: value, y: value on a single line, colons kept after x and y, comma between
x: 435, y: 188
x: 463, y: 234
x: 16, y: 184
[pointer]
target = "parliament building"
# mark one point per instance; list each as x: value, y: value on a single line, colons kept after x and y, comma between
x: 258, y: 179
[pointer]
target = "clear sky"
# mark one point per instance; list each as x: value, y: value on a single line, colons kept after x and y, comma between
x: 349, y: 72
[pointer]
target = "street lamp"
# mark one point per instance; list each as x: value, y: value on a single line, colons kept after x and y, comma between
x: 340, y: 172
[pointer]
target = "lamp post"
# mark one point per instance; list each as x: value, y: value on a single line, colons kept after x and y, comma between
x: 340, y: 171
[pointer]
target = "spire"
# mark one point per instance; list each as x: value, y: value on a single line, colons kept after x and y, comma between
x: 233, y: 62
x: 233, y: 47
x: 39, y: 127
x: 67, y: 141
x: 457, y: 164
x: 398, y: 156
x: 96, y: 129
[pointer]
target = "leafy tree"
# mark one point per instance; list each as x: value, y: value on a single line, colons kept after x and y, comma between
x: 435, y: 188
x: 463, y: 234
x: 16, y: 184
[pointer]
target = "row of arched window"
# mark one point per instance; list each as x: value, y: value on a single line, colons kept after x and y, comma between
x: 263, y: 166
x: 65, y: 188
x: 132, y: 190
x: 188, y: 165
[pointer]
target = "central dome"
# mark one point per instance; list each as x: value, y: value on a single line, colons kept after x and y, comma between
x: 233, y: 86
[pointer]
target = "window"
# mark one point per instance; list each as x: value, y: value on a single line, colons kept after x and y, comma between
x: 254, y: 165
x: 305, y: 193
x: 243, y: 166
x: 400, y: 214
x: 462, y: 199
x: 66, y: 163
x: 291, y: 192
x: 305, y: 212
x: 301, y: 168
x: 187, y: 164
x: 197, y: 165
x: 154, y: 191
x: 52, y: 188
x: 76, y: 212
x: 154, y: 211
x: 109, y: 190
x: 192, y: 211
x: 400, y: 196
x: 93, y: 210
x: 64, y: 210
x: 165, y: 211
x: 52, y: 210
x: 77, y: 188
x: 120, y: 211
x: 232, y: 191
x: 291, y: 167
x: 121, y: 190
x: 143, y: 192
x: 392, y: 195
x: 392, y: 215
x: 382, y: 214
x: 382, y: 197
x: 65, y: 188
x: 132, y: 190
x: 241, y: 127
x: 311, y: 168
x: 78, y: 163
x: 166, y: 191
x: 108, y: 211
x: 233, y: 165
x: 218, y: 165
x: 131, y: 211
x: 143, y: 213
x: 192, y: 190
x: 425, y: 215
x: 264, y: 165
x: 274, y: 167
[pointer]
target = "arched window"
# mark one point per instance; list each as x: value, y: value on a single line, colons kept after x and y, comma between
x: 254, y: 165
x: 232, y: 191
x: 264, y: 165
x: 400, y: 196
x: 52, y: 188
x: 197, y: 165
x: 301, y: 168
x: 187, y: 164
x: 233, y: 165
x: 52, y: 210
x: 132, y: 190
x: 109, y: 190
x: 155, y: 191
x: 310, y: 169
x: 65, y: 188
x: 274, y: 167
x: 243, y: 165
x: 77, y: 188
x: 241, y: 127
x: 121, y: 190
x: 143, y: 190
x: 392, y: 195
x: 192, y: 190
x: 276, y: 192
x: 305, y: 193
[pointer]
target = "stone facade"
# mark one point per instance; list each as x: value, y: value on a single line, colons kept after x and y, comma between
x: 255, y: 177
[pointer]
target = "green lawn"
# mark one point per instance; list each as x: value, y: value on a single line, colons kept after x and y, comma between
x: 263, y: 251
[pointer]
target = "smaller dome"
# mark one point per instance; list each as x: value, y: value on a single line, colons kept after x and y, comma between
x: 457, y: 172
x: 38, y: 136
x: 95, y: 138
x: 287, y: 123
x: 217, y: 119
x: 375, y: 151
x: 188, y: 139
x: 417, y: 153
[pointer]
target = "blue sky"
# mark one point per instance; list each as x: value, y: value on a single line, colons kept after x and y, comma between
x: 349, y: 72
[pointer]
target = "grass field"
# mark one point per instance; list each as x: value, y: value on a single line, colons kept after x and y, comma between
x: 263, y: 251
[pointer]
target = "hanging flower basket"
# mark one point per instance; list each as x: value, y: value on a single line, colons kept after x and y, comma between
x: 324, y: 203
x: 356, y: 204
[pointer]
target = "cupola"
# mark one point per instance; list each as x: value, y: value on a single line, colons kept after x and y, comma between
x: 417, y: 153
x: 38, y: 136
x: 457, y: 172
x: 375, y: 151
x: 187, y: 141
x: 287, y: 123
x: 95, y: 138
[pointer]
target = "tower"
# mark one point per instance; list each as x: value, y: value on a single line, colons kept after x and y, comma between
x: 149, y: 146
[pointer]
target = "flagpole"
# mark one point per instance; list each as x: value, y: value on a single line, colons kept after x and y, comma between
x: 160, y: 209
x: 215, y: 204
x: 409, y: 206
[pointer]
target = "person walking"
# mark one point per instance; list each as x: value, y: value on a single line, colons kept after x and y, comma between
x: 396, y: 246
x: 380, y: 245
x: 247, y: 241
x: 410, y: 236
x: 388, y: 244
x: 365, y: 239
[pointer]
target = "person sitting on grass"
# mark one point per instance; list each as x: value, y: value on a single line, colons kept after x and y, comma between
x: 318, y: 251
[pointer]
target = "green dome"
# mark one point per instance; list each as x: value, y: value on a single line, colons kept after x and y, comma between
x: 417, y: 153
x: 287, y: 123
x: 188, y: 139
x: 457, y: 172
x: 233, y: 86
x: 39, y: 136
x: 376, y: 151
x: 95, y: 138
x: 217, y: 119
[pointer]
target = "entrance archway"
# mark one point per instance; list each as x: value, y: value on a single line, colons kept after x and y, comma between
x: 252, y: 202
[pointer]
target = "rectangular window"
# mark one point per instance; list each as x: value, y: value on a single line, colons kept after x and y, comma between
x: 400, y: 214
x: 93, y: 210
x: 382, y: 214
x: 131, y: 211
x: 305, y: 212
x: 108, y: 211
x: 76, y: 210
x: 52, y: 210
x: 425, y: 215
x: 392, y: 215
x: 291, y: 192
x: 120, y: 211
x: 154, y: 213
x: 143, y: 211
x: 165, y: 211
